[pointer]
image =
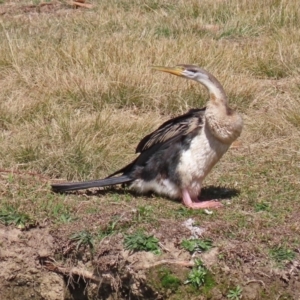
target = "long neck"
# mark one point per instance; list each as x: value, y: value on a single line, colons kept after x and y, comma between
x: 223, y: 122
x: 215, y: 89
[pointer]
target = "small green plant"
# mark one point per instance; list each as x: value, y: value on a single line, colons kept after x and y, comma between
x: 183, y: 212
x: 27, y: 154
x: 59, y: 211
x: 280, y: 254
x: 110, y: 229
x: 262, y: 206
x: 168, y: 280
x: 143, y: 213
x: 186, y: 212
x: 235, y: 294
x: 197, y: 276
x: 115, y: 225
x: 84, y: 238
x: 10, y: 215
x: 65, y: 218
x: 141, y: 242
x: 10, y: 178
x: 163, y: 31
x: 193, y: 245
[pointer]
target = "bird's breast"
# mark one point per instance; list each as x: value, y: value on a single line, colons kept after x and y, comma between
x: 196, y: 162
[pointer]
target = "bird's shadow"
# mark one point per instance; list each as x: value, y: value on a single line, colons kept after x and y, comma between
x: 218, y: 192
x: 207, y: 193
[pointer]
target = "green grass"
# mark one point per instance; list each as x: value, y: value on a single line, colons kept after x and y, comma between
x: 9, y: 215
x: 77, y: 94
x: 262, y: 206
x: 281, y: 254
x: 83, y: 238
x: 112, y: 227
x: 168, y: 280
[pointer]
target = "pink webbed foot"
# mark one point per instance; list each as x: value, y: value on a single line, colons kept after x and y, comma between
x: 186, y: 198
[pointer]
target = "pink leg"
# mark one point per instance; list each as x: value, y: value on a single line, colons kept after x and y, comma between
x: 186, y: 198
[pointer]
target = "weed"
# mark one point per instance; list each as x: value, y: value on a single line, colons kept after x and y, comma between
x: 110, y: 229
x: 26, y: 154
x: 194, y: 245
x: 65, y: 218
x: 10, y: 215
x: 163, y: 31
x: 262, y: 206
x: 143, y: 213
x: 60, y: 212
x: 10, y: 178
x: 197, y: 275
x: 141, y: 242
x: 235, y: 294
x: 183, y: 212
x: 83, y: 238
x: 281, y: 254
x: 186, y: 212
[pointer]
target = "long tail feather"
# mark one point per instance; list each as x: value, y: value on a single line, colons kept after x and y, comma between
x: 73, y: 186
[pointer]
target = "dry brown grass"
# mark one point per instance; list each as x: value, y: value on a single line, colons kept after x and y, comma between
x: 63, y: 75
x: 77, y: 94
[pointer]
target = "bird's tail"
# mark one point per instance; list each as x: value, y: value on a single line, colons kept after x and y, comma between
x: 73, y: 186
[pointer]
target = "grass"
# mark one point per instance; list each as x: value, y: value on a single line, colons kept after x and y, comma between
x: 281, y: 254
x: 83, y: 238
x: 169, y: 281
x: 9, y: 215
x: 77, y: 94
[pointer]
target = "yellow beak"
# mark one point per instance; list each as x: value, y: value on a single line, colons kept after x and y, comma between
x: 172, y: 70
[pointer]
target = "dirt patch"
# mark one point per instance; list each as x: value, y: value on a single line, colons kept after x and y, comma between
x: 35, y: 265
x: 22, y: 276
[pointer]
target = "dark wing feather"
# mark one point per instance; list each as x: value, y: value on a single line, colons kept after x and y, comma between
x: 179, y: 126
x: 168, y: 134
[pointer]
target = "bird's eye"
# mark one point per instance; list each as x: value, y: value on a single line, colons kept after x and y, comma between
x: 193, y: 71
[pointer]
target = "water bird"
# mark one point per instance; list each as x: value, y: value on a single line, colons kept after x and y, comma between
x: 176, y: 157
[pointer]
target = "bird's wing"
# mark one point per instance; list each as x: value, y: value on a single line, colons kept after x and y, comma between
x: 166, y: 136
x: 179, y: 126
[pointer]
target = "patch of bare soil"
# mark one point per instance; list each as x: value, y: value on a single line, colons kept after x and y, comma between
x: 39, y: 264
x: 21, y: 275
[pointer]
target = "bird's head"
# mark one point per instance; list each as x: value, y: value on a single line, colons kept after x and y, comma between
x: 186, y: 71
x: 198, y: 74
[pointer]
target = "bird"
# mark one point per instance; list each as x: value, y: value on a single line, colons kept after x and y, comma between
x: 174, y: 159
